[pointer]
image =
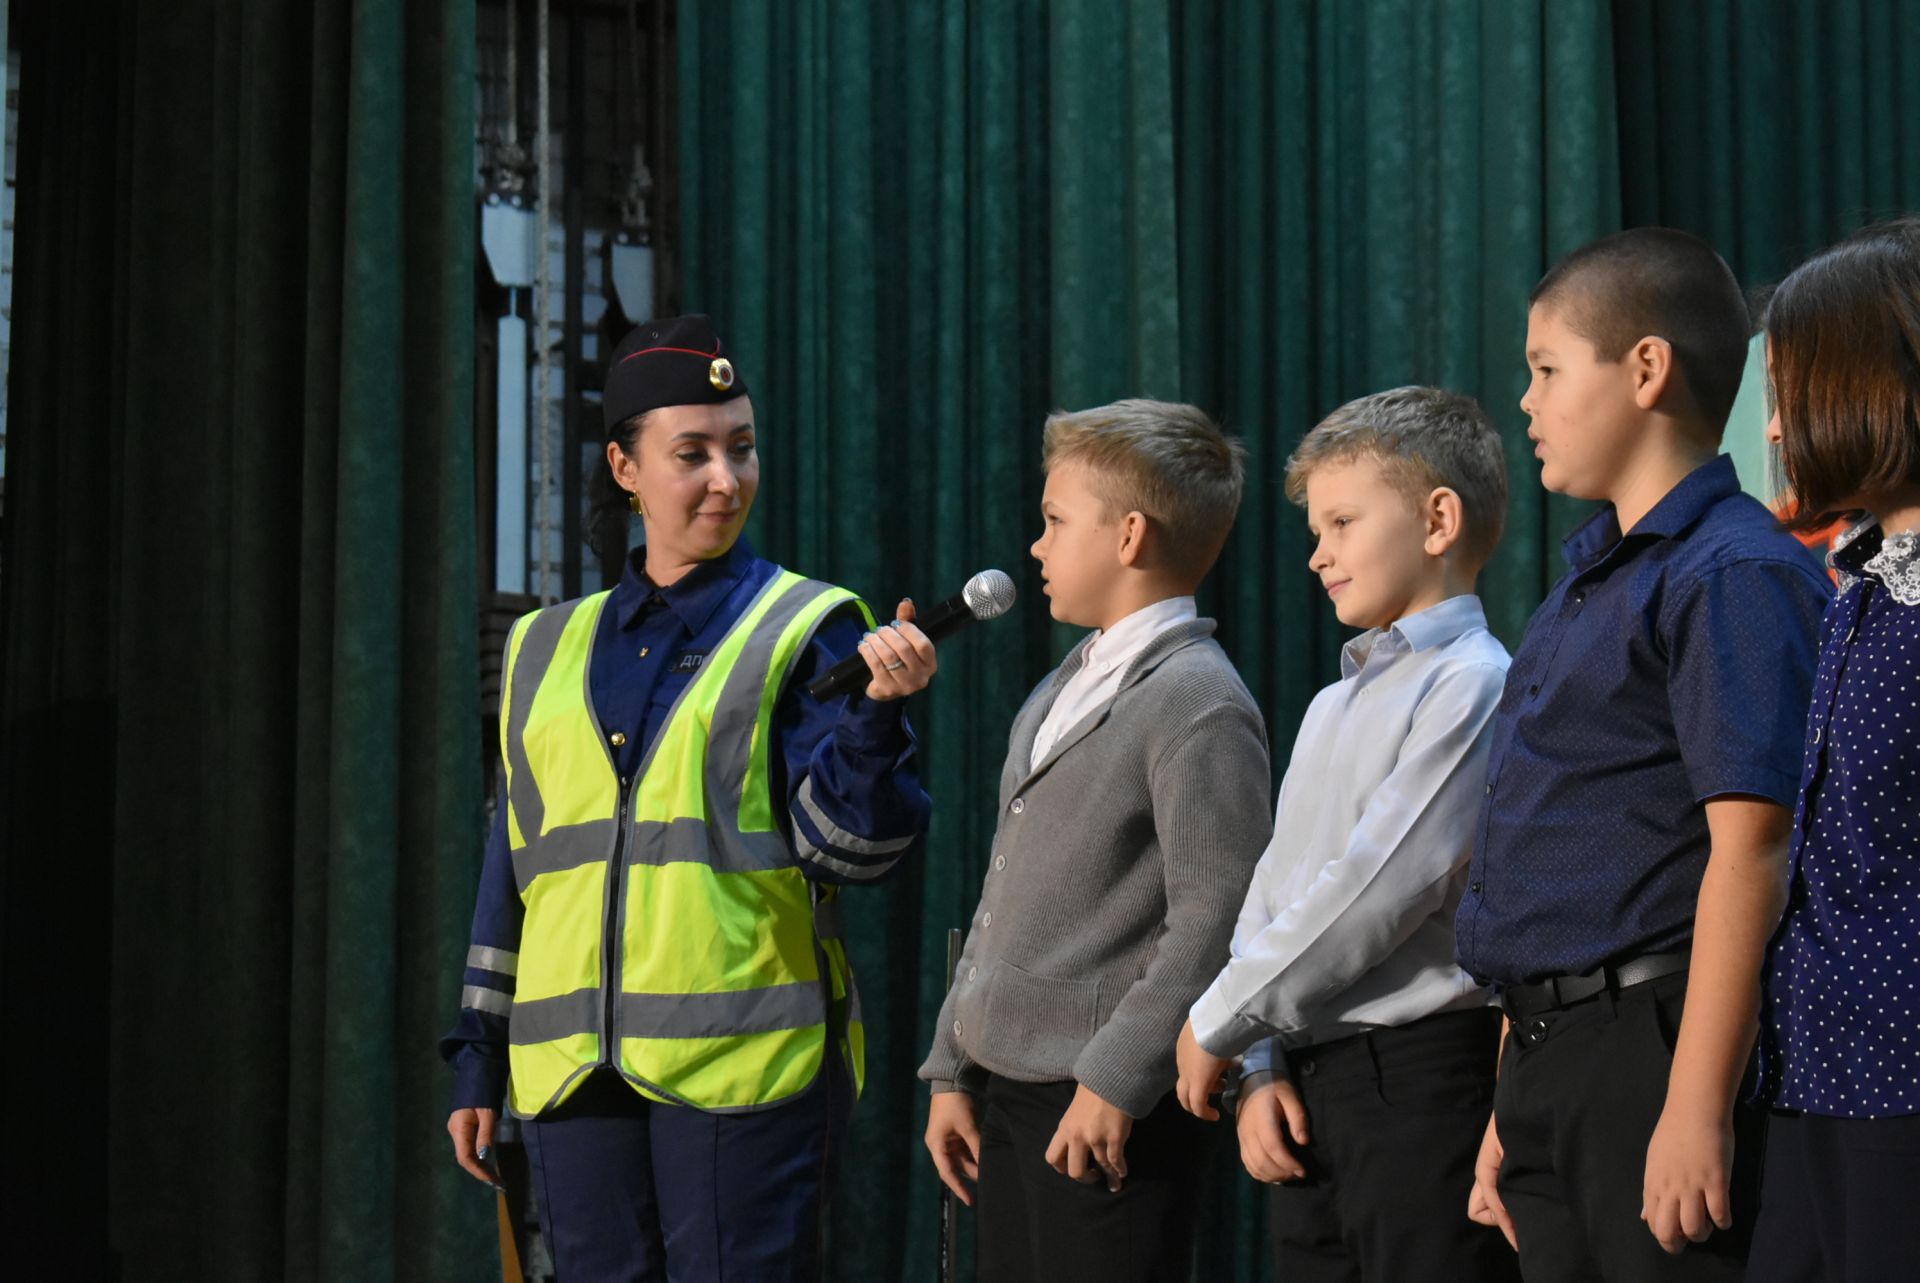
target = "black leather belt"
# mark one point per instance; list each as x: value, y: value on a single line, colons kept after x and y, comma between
x: 1524, y: 1002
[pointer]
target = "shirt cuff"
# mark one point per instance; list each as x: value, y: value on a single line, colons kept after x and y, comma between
x: 1219, y: 1029
x: 479, y: 1079
x: 1261, y: 1058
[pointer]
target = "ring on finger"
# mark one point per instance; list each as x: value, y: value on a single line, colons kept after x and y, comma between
x: 895, y: 666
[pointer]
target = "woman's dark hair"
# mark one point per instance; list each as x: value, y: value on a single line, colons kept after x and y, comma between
x: 609, y: 516
x: 1843, y: 344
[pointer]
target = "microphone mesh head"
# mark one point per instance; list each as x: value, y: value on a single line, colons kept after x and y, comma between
x: 989, y: 594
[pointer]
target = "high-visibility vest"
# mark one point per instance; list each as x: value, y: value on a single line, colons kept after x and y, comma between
x: 669, y: 931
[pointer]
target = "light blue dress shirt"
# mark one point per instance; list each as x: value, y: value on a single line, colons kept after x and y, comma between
x: 1348, y: 924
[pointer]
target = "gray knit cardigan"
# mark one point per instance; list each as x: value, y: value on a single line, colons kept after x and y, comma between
x: 1117, y: 871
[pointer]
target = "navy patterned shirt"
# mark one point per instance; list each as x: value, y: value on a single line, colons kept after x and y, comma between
x: 1671, y: 665
x: 1841, y: 1021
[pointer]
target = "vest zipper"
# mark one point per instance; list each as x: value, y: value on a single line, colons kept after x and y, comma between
x: 610, y: 945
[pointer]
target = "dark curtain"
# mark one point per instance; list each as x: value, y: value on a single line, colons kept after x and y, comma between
x: 1769, y: 127
x: 242, y: 795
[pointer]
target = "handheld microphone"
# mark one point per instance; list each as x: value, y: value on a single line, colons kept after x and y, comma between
x: 988, y: 595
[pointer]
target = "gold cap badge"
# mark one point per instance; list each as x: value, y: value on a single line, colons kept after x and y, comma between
x: 720, y: 374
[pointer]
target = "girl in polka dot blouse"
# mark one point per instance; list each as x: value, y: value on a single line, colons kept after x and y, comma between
x: 1840, y: 1024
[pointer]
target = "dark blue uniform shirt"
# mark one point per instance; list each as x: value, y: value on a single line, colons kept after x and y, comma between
x: 1670, y: 665
x: 1841, y: 1020
x: 865, y: 808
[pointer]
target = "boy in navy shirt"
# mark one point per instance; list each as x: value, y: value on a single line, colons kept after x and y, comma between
x: 1630, y: 862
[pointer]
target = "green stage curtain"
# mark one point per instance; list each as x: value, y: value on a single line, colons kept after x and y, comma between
x: 922, y: 228
x: 242, y: 790
x: 1769, y: 127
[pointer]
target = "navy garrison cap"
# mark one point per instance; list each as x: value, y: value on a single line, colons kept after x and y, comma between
x: 677, y: 361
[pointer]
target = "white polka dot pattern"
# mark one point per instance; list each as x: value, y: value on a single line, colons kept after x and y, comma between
x: 1842, y: 1018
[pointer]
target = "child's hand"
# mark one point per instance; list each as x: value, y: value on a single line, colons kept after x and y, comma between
x: 1687, y: 1165
x: 1483, y: 1203
x: 899, y: 656
x: 1201, y: 1073
x: 1268, y: 1115
x: 1091, y: 1140
x: 953, y: 1138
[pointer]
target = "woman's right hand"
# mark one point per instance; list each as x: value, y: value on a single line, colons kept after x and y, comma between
x: 953, y: 1138
x: 472, y: 1132
x: 899, y: 656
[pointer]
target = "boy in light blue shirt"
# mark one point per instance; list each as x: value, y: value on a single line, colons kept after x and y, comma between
x: 1371, y: 1054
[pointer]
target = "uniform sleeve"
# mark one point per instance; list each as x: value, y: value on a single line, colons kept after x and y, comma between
x: 852, y: 784
x: 1392, y: 875
x: 476, y: 1047
x: 1743, y: 643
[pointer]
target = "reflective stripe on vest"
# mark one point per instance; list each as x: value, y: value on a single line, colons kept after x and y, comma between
x: 669, y: 931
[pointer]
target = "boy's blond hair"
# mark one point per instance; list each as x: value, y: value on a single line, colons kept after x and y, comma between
x: 1423, y: 439
x: 1167, y: 461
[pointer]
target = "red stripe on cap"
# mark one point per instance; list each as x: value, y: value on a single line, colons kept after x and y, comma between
x: 648, y: 350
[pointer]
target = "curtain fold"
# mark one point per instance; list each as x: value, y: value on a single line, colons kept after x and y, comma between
x: 240, y: 638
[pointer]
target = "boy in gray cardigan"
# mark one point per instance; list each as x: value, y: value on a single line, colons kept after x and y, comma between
x: 1133, y: 807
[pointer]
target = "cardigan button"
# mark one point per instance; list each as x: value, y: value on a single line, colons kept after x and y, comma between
x: 1019, y: 806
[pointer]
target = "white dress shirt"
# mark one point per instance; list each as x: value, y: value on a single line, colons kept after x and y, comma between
x: 1349, y: 922
x: 1104, y: 663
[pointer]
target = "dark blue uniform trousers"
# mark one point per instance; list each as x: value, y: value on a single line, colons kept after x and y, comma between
x: 631, y: 1191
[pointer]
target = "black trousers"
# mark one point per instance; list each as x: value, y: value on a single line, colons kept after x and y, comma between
x: 1034, y: 1224
x: 1841, y: 1200
x: 1580, y: 1091
x: 1395, y: 1119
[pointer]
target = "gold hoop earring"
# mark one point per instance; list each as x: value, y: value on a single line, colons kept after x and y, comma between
x: 633, y: 502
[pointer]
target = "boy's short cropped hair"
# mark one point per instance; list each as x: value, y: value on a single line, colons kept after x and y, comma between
x: 1423, y: 439
x: 1661, y: 283
x: 1843, y: 348
x: 1169, y: 462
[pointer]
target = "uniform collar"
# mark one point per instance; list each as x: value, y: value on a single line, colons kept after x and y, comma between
x: 1677, y: 512
x: 1437, y: 625
x: 693, y: 597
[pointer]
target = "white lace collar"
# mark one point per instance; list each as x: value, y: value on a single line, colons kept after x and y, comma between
x: 1894, y: 560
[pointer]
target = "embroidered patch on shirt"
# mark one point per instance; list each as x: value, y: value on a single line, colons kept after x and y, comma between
x: 689, y: 662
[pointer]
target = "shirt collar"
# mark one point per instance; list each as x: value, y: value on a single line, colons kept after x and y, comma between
x: 1423, y: 630
x: 693, y: 597
x: 1114, y: 648
x: 1676, y: 513
x: 1864, y: 550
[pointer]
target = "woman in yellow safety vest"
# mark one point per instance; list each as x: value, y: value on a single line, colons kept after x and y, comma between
x: 657, y: 983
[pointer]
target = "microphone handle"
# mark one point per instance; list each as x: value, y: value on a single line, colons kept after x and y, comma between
x: 943, y: 619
